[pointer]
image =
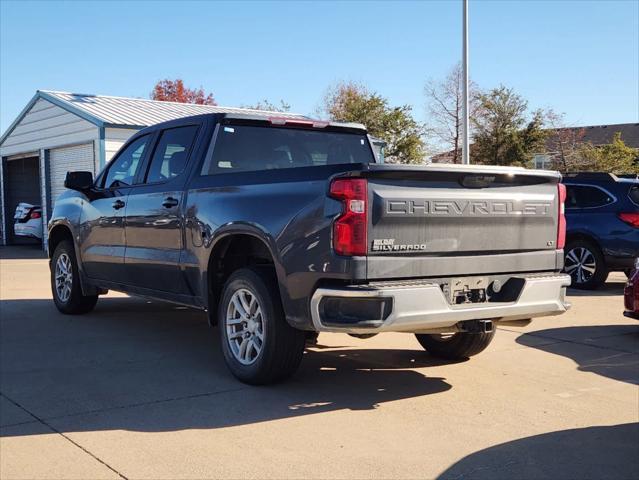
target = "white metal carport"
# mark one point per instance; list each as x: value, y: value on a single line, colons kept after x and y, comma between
x: 60, y: 131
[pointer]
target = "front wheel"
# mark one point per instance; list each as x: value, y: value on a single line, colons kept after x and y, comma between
x: 455, y: 346
x: 258, y: 344
x: 65, y: 282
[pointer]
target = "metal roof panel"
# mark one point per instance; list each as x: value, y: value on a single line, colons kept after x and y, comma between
x: 141, y: 112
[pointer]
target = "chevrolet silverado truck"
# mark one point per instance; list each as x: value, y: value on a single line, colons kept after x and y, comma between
x: 282, y: 228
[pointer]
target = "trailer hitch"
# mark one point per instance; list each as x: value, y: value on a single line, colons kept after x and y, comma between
x: 476, y: 326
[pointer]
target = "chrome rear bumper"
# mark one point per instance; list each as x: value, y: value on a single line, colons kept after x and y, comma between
x: 422, y: 307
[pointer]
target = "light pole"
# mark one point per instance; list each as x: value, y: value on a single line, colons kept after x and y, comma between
x: 466, y: 122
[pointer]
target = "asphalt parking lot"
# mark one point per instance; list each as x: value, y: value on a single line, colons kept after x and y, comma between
x: 138, y: 389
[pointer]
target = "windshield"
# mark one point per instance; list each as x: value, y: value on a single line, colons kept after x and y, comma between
x: 247, y: 148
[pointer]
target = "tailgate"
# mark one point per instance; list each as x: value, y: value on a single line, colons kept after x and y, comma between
x: 451, y: 212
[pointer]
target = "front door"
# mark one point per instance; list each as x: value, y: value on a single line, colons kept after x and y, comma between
x: 102, y: 241
x: 154, y: 219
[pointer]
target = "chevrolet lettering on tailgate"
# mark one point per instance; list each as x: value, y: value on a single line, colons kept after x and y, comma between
x: 466, y: 208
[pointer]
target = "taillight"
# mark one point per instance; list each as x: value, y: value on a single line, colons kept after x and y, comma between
x: 561, y: 226
x: 349, y: 229
x: 631, y: 218
x: 35, y: 215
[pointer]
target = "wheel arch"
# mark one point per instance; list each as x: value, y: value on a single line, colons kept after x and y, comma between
x: 58, y: 233
x: 236, y: 246
x: 581, y: 235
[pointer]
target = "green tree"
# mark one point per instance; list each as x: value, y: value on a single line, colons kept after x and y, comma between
x: 504, y: 134
x: 614, y: 157
x: 352, y: 102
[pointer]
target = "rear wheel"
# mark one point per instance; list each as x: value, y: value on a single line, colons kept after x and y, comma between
x: 585, y: 264
x: 65, y: 282
x: 455, y: 346
x: 259, y: 346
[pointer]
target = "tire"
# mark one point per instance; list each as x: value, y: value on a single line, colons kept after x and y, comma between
x: 273, y: 349
x: 582, y: 256
x: 457, y: 346
x: 66, y: 289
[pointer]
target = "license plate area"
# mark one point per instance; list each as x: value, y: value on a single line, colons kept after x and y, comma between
x: 465, y: 290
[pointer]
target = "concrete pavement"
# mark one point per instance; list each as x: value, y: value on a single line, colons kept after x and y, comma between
x: 138, y: 389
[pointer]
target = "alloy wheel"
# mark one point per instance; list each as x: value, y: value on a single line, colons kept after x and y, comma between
x: 245, y: 326
x: 580, y: 264
x: 63, y: 277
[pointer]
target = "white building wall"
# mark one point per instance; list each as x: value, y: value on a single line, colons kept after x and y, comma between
x: 48, y: 126
x: 114, y: 138
x: 44, y: 127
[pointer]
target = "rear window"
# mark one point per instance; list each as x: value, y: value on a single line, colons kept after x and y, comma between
x: 634, y: 194
x: 241, y: 148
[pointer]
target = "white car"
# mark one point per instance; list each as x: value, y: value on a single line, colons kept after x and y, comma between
x: 28, y: 220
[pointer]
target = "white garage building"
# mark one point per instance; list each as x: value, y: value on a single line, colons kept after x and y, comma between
x: 58, y: 132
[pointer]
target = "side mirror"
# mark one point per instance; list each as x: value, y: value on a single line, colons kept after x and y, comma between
x: 80, y: 181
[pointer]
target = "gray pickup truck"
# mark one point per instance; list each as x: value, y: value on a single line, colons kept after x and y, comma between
x: 282, y: 228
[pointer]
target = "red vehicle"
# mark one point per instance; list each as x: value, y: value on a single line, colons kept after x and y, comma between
x: 631, y: 293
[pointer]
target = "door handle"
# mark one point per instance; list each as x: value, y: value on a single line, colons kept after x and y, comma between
x: 169, y: 202
x: 118, y: 204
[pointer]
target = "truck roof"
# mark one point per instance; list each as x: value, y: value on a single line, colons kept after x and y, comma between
x: 274, y: 119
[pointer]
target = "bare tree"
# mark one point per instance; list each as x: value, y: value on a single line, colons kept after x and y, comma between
x: 564, y: 144
x: 269, y: 106
x: 444, y: 106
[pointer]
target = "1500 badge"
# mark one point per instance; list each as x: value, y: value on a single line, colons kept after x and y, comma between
x: 388, y: 245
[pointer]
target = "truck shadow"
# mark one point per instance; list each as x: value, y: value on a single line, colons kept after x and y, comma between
x: 608, y: 452
x: 147, y: 366
x: 608, y: 350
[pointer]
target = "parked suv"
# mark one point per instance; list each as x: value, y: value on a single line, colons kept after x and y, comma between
x: 282, y: 228
x: 602, y: 215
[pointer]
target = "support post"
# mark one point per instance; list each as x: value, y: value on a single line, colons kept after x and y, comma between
x: 465, y: 113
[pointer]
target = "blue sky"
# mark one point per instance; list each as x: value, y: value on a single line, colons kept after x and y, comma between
x: 579, y: 57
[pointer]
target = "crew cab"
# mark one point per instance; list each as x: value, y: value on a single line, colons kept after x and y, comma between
x: 281, y: 228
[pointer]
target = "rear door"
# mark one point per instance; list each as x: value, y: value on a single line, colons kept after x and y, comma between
x: 589, y: 209
x: 154, y: 220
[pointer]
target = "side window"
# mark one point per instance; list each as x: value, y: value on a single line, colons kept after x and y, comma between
x: 171, y: 153
x: 125, y: 166
x: 587, y: 197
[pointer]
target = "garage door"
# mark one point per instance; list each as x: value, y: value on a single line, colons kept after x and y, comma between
x: 69, y: 159
x: 21, y: 184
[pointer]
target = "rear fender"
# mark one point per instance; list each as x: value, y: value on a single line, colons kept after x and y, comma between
x: 258, y: 232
